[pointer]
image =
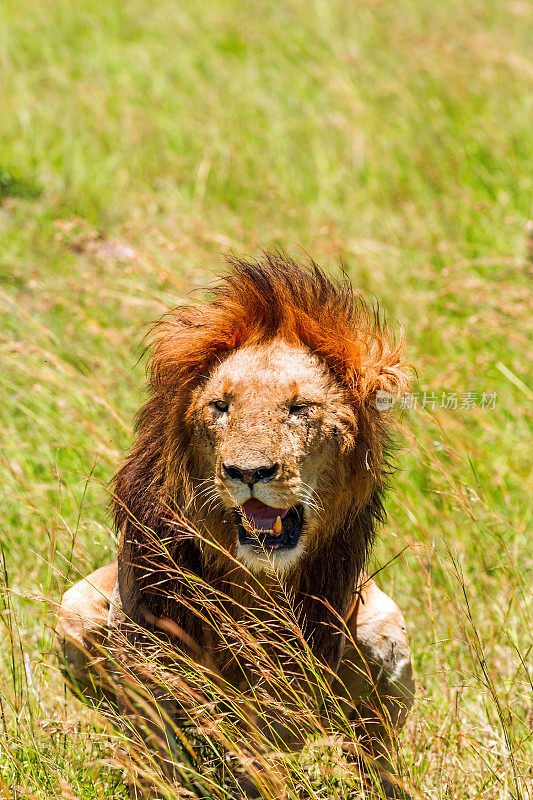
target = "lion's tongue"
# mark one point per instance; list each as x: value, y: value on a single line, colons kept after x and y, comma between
x: 260, y: 515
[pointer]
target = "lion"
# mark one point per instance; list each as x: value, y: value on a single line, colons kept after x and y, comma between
x: 260, y: 455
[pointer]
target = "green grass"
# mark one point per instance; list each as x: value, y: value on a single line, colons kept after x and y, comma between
x: 141, y: 141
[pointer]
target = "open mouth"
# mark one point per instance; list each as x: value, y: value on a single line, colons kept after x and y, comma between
x: 265, y: 527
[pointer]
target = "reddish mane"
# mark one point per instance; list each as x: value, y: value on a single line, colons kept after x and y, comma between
x: 275, y: 298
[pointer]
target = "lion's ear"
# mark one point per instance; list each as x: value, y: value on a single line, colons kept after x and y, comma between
x: 392, y: 379
x: 382, y: 366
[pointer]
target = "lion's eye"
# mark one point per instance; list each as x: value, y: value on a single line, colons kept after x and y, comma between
x: 220, y: 405
x: 298, y: 409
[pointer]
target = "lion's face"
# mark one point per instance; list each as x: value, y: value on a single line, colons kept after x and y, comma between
x: 272, y: 429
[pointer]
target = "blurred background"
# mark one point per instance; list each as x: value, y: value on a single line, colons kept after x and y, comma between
x: 139, y: 143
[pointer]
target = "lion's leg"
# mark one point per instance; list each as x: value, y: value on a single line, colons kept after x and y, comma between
x: 88, y: 641
x: 81, y: 631
x: 376, y: 673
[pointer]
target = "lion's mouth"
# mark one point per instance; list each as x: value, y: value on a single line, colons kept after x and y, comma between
x: 263, y: 526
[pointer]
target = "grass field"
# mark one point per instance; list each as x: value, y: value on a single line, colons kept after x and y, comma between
x: 139, y: 143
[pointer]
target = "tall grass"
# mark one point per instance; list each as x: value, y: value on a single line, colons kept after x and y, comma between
x: 394, y: 137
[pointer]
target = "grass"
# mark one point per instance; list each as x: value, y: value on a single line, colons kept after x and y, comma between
x: 140, y: 142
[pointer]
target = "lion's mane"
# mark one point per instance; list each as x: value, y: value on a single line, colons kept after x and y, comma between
x: 256, y: 302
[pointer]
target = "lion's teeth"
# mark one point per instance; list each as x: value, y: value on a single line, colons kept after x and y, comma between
x: 277, y: 526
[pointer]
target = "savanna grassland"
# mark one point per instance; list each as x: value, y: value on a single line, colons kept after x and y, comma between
x: 139, y: 143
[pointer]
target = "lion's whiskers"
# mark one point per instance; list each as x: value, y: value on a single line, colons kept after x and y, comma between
x: 309, y: 496
x: 212, y: 499
x: 208, y: 491
x: 198, y: 492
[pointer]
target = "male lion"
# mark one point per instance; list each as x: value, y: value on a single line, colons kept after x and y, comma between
x: 260, y: 459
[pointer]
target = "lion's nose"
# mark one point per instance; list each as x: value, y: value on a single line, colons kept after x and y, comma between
x: 250, y: 476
